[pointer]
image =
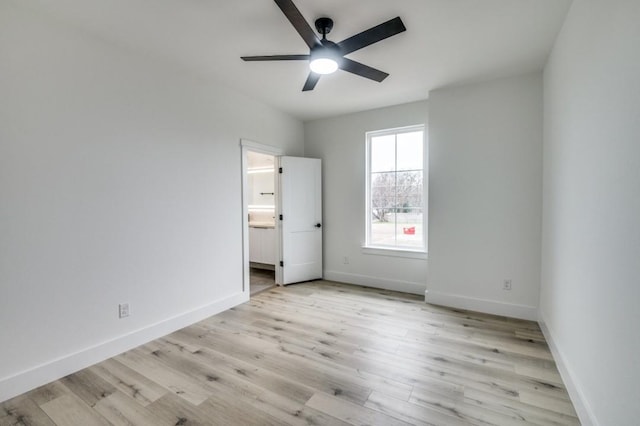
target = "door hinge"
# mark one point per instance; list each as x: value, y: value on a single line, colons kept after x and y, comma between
x: 281, y: 263
x: 280, y: 170
x: 280, y: 217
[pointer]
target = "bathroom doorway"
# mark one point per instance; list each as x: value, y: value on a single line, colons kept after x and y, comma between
x: 260, y: 200
x: 261, y: 209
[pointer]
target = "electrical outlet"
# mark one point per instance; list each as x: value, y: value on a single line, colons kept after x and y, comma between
x: 345, y: 260
x: 506, y: 285
x: 123, y: 310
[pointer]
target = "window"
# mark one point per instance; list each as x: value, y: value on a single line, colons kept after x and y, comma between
x: 396, y: 189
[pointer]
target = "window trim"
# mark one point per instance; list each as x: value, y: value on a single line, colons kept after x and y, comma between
x: 394, y: 252
x: 400, y: 251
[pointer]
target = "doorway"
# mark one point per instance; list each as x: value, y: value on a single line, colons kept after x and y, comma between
x: 260, y: 200
x: 261, y: 209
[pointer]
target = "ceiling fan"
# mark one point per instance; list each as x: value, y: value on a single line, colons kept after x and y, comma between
x: 326, y: 56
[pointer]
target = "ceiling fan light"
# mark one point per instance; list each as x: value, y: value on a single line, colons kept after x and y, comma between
x: 323, y: 65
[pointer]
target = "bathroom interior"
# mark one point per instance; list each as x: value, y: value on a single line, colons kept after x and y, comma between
x: 262, y: 231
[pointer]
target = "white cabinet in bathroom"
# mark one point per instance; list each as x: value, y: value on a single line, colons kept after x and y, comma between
x: 262, y: 245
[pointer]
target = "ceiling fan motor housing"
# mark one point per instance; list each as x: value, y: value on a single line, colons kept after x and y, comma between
x: 327, y: 49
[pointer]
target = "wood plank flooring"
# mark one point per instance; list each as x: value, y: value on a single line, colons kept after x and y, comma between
x: 318, y: 353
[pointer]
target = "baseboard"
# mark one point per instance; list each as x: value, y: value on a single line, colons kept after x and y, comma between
x: 482, y: 305
x: 585, y: 414
x: 375, y: 282
x: 55, y: 369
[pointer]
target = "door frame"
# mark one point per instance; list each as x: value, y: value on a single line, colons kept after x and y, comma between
x: 247, y: 145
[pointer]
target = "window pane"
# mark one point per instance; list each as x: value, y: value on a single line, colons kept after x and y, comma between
x: 383, y: 153
x: 383, y: 195
x: 409, y: 189
x: 410, y: 154
x: 382, y: 231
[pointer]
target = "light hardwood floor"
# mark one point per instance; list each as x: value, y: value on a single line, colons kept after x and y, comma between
x: 314, y: 354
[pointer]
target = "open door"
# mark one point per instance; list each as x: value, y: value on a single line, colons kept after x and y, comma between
x: 301, y: 219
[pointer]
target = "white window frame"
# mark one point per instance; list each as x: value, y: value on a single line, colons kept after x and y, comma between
x: 388, y: 250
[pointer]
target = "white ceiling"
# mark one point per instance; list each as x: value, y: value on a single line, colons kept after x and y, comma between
x: 447, y: 42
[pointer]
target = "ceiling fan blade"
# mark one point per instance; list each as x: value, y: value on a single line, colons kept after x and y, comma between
x: 372, y: 35
x: 276, y: 58
x: 311, y: 82
x: 299, y: 23
x: 362, y: 70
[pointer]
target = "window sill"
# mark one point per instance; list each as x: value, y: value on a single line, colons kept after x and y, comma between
x: 395, y: 252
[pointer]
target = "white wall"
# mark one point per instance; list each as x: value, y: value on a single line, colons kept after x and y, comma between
x: 485, y: 154
x: 591, y: 219
x: 119, y: 182
x: 340, y: 143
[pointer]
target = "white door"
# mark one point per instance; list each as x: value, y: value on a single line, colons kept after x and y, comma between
x: 301, y: 224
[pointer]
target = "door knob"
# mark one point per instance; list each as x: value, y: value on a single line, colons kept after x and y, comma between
x: 318, y: 225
